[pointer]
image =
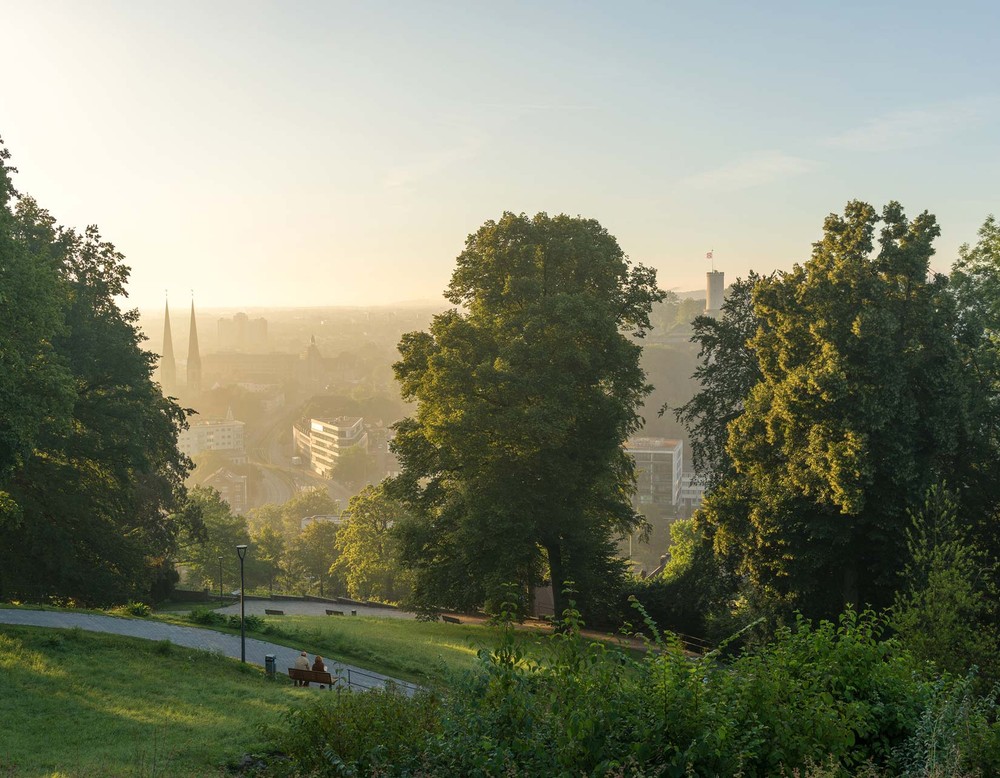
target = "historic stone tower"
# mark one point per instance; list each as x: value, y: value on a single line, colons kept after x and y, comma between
x: 194, y: 358
x: 168, y: 365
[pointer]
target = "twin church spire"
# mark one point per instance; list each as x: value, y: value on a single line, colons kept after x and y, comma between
x: 168, y: 364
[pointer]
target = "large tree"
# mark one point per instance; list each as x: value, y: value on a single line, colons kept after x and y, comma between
x: 369, y: 549
x: 513, y: 463
x: 89, y: 465
x: 862, y: 402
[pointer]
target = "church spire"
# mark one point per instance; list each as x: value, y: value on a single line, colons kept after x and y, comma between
x: 194, y: 357
x: 168, y: 366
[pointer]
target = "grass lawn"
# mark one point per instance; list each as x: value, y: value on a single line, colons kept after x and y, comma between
x: 77, y: 703
x: 425, y: 653
x: 419, y: 651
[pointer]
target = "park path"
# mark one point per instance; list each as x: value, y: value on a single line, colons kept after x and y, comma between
x: 192, y: 637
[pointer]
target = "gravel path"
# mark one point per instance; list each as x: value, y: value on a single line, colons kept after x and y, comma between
x: 192, y: 637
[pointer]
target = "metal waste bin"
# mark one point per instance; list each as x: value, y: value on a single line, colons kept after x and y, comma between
x: 354, y: 612
x: 269, y: 665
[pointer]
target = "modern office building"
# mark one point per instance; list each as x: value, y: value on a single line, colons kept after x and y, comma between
x: 659, y: 467
x: 324, y: 440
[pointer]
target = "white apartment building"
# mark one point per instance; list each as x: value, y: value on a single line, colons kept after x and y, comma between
x: 211, y: 435
x: 659, y: 469
x: 324, y: 440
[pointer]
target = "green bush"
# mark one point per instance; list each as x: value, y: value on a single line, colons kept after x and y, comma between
x: 379, y: 732
x: 207, y: 617
x: 816, y: 700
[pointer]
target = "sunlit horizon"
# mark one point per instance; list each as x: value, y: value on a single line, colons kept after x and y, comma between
x: 337, y: 154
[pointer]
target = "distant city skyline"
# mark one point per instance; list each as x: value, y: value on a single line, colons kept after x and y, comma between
x: 337, y: 154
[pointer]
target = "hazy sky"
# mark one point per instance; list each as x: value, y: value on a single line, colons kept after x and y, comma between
x: 335, y: 153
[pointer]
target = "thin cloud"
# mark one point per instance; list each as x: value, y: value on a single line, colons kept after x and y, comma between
x: 913, y: 128
x: 430, y: 164
x: 759, y: 169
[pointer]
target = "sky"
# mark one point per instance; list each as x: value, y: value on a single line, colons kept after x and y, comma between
x: 339, y: 153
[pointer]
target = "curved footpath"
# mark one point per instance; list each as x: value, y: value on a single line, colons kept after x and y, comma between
x: 192, y: 637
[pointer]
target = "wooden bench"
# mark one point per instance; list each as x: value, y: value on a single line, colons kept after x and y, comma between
x: 451, y: 619
x: 302, y: 677
x: 269, y: 612
x: 334, y: 613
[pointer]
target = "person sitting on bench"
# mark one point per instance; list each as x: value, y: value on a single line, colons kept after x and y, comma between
x: 319, y: 667
x: 302, y: 663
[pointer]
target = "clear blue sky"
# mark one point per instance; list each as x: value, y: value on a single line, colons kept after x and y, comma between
x: 334, y: 153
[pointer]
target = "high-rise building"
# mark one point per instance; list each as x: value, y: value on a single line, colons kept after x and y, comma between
x: 194, y: 358
x: 659, y: 469
x: 168, y: 365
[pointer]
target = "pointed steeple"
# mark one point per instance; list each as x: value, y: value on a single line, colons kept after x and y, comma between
x: 168, y: 365
x: 194, y: 357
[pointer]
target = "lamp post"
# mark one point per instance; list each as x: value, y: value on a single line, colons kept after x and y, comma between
x: 220, y: 580
x: 242, y: 551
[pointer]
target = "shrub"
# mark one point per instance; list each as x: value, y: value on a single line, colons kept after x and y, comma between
x: 815, y: 700
x: 207, y: 617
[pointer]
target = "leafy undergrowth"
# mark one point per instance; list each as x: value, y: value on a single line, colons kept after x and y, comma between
x: 77, y: 703
x: 831, y: 700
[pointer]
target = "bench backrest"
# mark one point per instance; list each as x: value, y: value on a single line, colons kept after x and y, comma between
x: 314, y: 676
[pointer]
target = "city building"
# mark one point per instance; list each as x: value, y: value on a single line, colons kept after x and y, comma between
x: 214, y: 435
x: 692, y: 492
x: 231, y: 487
x: 324, y: 440
x: 659, y: 467
x: 241, y: 333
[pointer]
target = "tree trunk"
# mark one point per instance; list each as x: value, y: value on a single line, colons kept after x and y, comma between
x: 556, y: 573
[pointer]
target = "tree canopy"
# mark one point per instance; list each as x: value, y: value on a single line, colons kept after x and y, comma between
x: 513, y: 464
x: 89, y: 466
x: 844, y: 392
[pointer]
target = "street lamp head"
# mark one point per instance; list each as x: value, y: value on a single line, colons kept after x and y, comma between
x: 242, y: 551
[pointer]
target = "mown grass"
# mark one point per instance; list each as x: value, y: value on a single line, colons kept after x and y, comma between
x: 77, y: 703
x: 425, y: 653
x: 419, y: 651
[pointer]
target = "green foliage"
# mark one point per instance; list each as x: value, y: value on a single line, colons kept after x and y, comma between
x: 210, y: 618
x: 513, y: 462
x: 824, y: 700
x: 368, y: 550
x: 218, y: 532
x: 89, y: 466
x: 132, y: 608
x: 946, y: 608
x: 207, y: 617
x: 728, y: 370
x: 376, y: 733
x: 268, y: 559
x: 311, y: 558
x: 354, y: 467
x: 848, y: 394
x: 311, y: 502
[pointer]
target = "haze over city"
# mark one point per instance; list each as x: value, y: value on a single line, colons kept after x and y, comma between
x: 315, y: 153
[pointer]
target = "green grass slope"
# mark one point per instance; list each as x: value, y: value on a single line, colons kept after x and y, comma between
x: 77, y: 703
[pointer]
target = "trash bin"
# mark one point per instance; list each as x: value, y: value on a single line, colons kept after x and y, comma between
x: 354, y: 612
x: 269, y: 665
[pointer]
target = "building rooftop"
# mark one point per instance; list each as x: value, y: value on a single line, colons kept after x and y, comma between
x: 647, y: 444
